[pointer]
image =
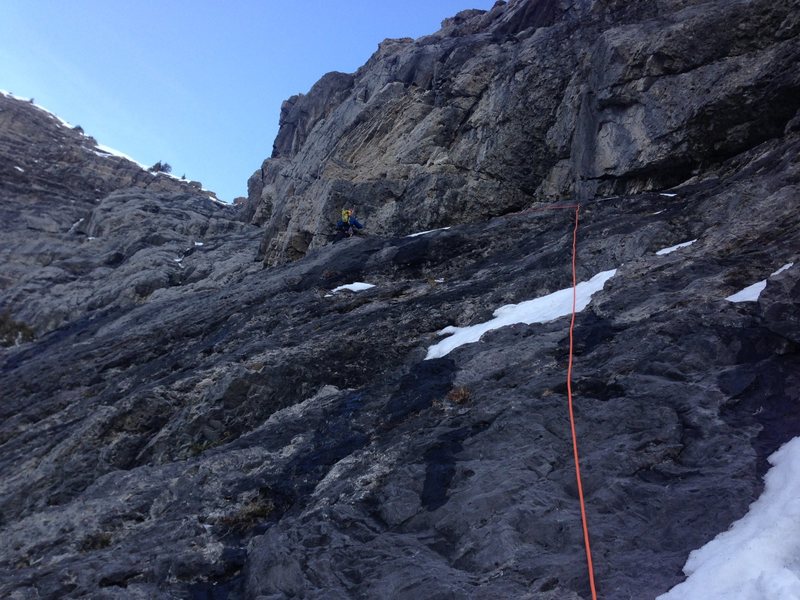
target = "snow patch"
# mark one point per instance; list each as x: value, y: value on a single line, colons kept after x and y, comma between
x: 198, y: 243
x: 64, y: 123
x: 213, y: 197
x: 353, y: 287
x: 752, y: 292
x: 664, y: 251
x: 757, y: 558
x: 106, y: 150
x: 748, y: 294
x: 539, y: 310
x: 20, y: 169
x: 429, y: 231
x: 668, y: 195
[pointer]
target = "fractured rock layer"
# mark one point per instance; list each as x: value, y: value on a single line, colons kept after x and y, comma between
x: 541, y: 99
x: 83, y: 229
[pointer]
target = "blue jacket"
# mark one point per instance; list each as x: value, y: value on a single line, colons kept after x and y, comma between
x: 353, y: 222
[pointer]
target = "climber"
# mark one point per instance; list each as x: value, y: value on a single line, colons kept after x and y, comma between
x: 346, y: 225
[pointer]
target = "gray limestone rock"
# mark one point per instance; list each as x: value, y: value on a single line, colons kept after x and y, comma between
x: 83, y: 230
x: 180, y: 422
x: 547, y: 99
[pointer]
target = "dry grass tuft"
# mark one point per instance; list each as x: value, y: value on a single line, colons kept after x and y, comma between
x: 459, y: 394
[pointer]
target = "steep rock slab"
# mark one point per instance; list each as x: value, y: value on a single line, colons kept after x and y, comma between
x: 263, y: 439
x: 247, y: 433
x: 679, y: 393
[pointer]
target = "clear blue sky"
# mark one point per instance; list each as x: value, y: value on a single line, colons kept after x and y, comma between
x: 195, y: 83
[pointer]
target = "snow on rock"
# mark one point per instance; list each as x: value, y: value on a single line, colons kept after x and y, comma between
x: 74, y: 225
x: 105, y: 150
x: 198, y: 243
x: 664, y: 251
x: 53, y: 115
x: 752, y: 292
x: 353, y: 287
x: 429, y: 231
x: 50, y: 113
x: 538, y: 310
x: 213, y: 197
x: 758, y: 558
x: 748, y: 294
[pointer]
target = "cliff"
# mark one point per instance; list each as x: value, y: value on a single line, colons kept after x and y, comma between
x: 532, y: 100
x: 179, y: 421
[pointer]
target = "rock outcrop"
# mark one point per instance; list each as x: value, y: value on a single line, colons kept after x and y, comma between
x: 83, y: 229
x: 179, y: 422
x: 542, y: 99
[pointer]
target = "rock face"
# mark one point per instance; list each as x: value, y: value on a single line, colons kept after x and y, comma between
x: 207, y: 428
x: 544, y: 99
x: 83, y: 229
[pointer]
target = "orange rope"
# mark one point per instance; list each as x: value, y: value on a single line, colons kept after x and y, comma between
x: 569, y: 384
x: 571, y: 413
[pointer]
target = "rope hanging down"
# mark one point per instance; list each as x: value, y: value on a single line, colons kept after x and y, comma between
x: 571, y: 412
x: 584, y: 522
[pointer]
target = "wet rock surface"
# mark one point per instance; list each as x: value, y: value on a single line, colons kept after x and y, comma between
x: 230, y: 431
